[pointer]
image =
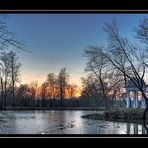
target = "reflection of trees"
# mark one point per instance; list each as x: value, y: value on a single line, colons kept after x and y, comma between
x: 135, y: 128
x: 144, y: 130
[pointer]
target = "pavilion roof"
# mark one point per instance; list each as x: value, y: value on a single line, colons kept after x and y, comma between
x: 133, y: 81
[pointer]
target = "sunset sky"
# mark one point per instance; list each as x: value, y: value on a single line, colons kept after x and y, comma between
x: 59, y: 40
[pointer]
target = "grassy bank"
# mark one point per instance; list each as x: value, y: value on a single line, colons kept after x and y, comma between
x: 121, y: 115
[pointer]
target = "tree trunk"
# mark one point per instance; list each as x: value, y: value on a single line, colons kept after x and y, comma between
x: 13, y: 95
x: 5, y: 95
x: 144, y: 115
x: 61, y: 96
x: 113, y: 97
x: 2, y: 94
x: 13, y: 83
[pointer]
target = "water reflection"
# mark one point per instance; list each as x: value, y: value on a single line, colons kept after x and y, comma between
x: 135, y: 129
x: 63, y: 122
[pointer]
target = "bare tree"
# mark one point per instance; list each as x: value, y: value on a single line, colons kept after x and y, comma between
x: 134, y: 68
x: 72, y: 90
x: 14, y: 72
x: 52, y: 82
x: 7, y: 38
x: 44, y: 93
x: 142, y: 30
x: 91, y: 91
x: 90, y: 86
x: 2, y: 89
x: 5, y: 75
x: 33, y: 86
x: 62, y: 80
x: 24, y: 96
x: 142, y: 35
x: 102, y: 72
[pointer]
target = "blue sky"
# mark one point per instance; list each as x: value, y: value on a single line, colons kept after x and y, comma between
x: 59, y: 40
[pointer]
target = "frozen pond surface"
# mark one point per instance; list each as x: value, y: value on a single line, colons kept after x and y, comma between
x: 61, y: 122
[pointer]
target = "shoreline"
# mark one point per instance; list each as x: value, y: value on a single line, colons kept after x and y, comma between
x: 119, y: 115
x: 53, y: 108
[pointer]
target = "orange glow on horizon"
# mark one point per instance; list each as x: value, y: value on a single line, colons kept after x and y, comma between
x: 78, y: 94
x: 39, y: 83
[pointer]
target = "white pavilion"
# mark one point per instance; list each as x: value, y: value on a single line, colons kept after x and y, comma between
x: 134, y: 102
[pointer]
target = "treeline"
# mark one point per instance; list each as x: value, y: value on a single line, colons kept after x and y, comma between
x: 56, y: 91
x: 108, y: 69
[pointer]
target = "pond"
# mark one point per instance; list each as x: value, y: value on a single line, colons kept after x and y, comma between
x: 61, y: 122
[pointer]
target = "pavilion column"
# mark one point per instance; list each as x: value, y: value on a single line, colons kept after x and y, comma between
x: 128, y: 101
x: 143, y: 130
x: 136, y: 101
x: 143, y: 102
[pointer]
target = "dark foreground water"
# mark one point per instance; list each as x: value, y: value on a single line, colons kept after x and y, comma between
x: 61, y: 122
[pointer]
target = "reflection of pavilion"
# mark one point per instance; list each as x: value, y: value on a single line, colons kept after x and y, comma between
x: 136, y: 101
x: 135, y: 129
